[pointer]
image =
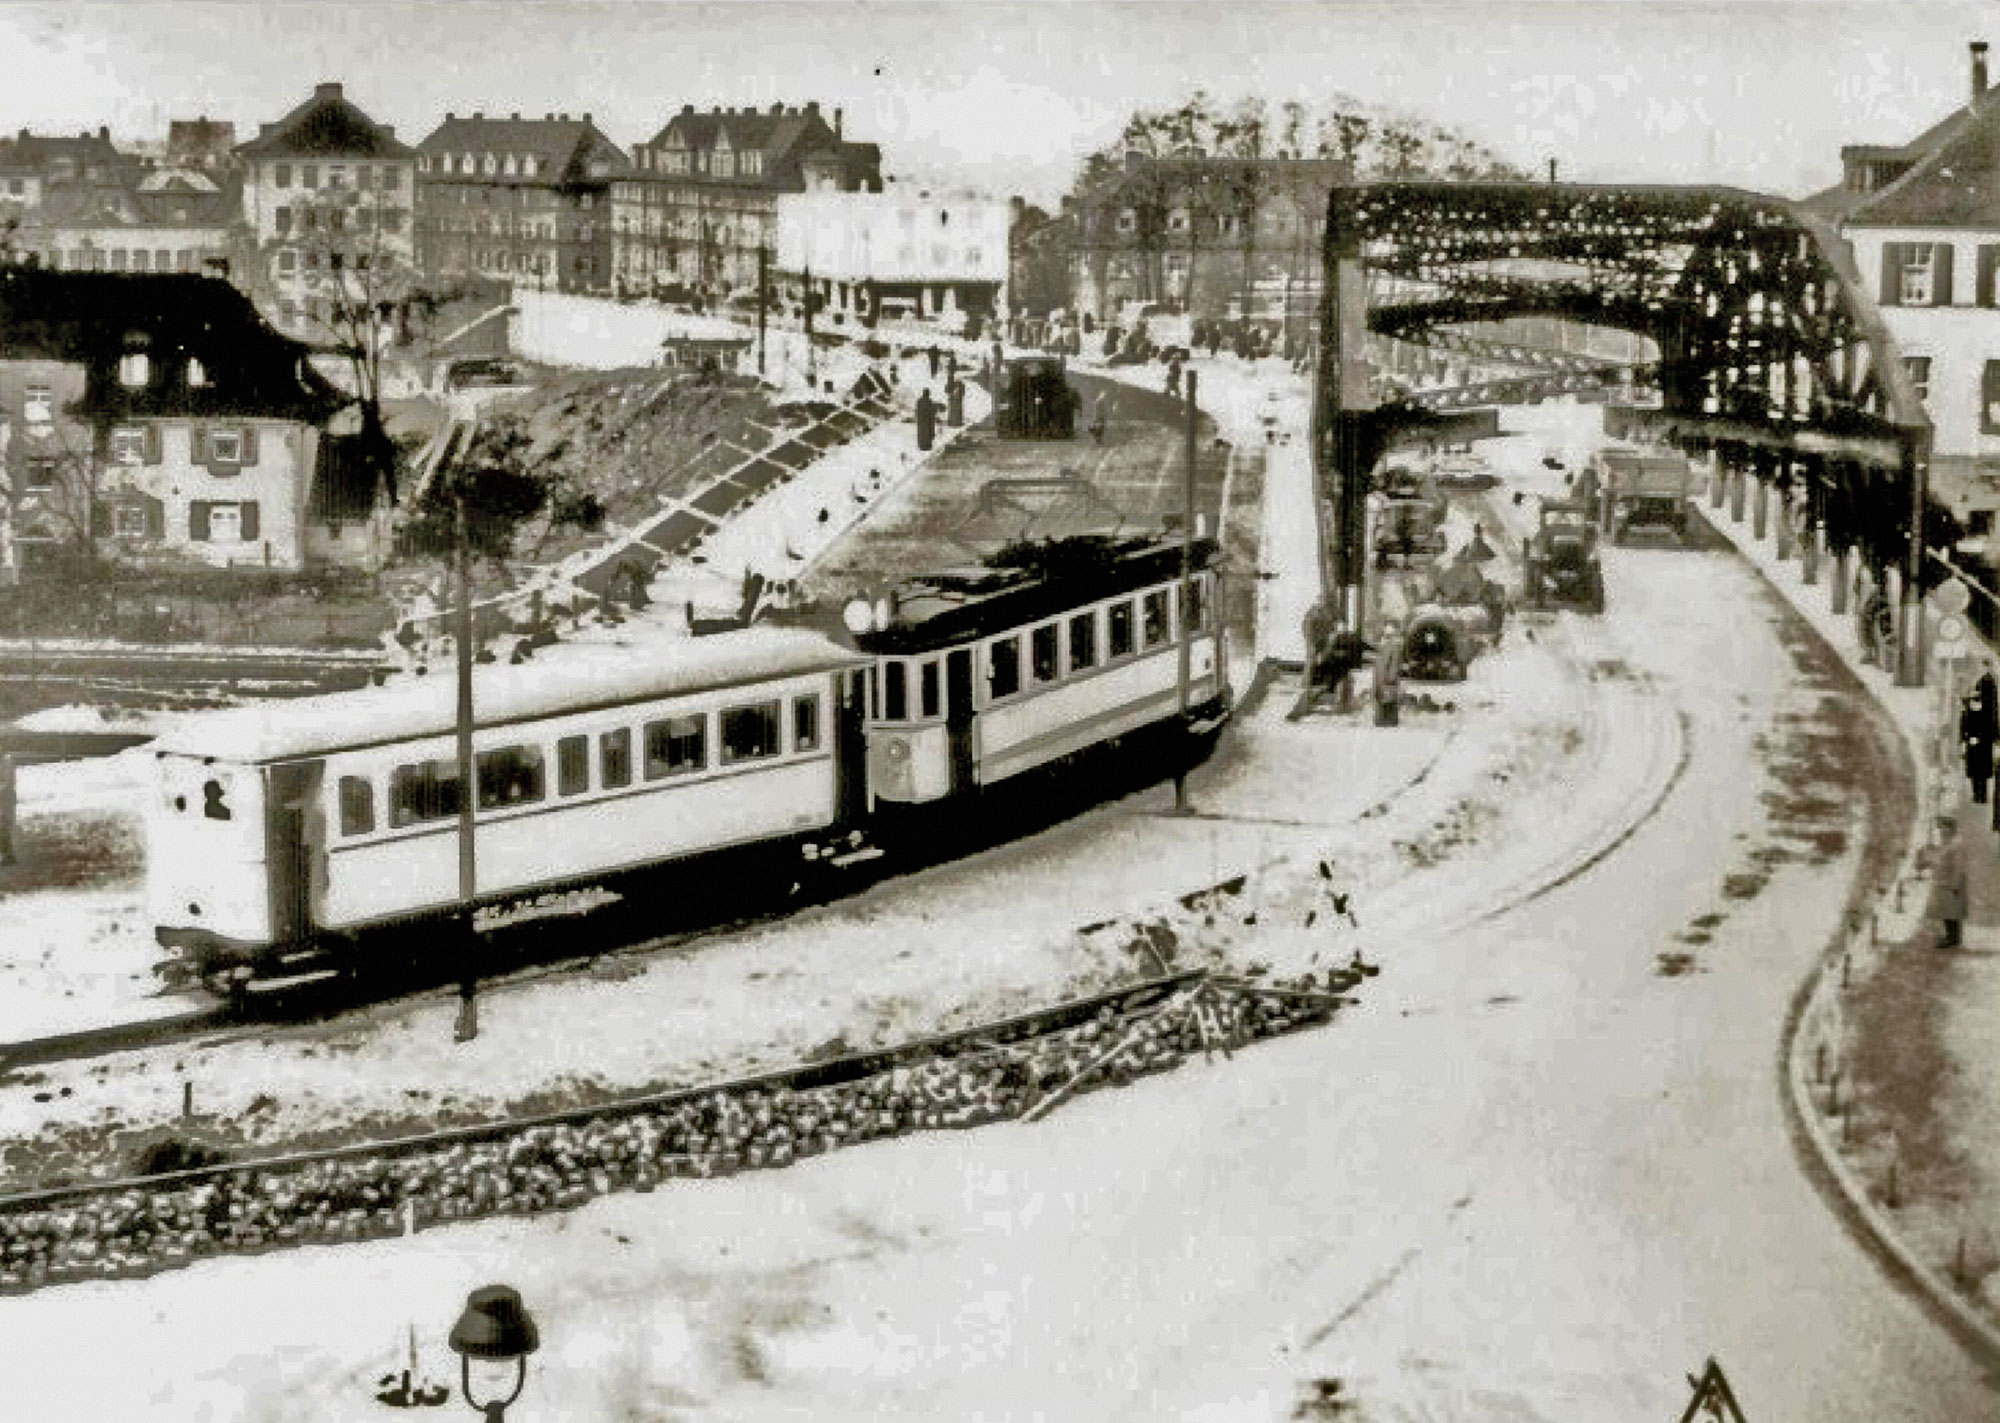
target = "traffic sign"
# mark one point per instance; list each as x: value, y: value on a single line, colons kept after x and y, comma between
x: 1952, y: 598
x: 1951, y: 628
x: 1713, y: 1398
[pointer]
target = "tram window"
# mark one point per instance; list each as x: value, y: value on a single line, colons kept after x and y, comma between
x: 805, y: 723
x: 614, y: 758
x: 1042, y: 651
x: 1155, y: 620
x: 512, y: 775
x: 573, y: 765
x: 1195, y: 615
x: 1003, y: 667
x: 357, y: 805
x: 895, y: 691
x: 1082, y: 641
x: 752, y: 733
x: 676, y: 746
x: 425, y: 791
x: 927, y: 689
x: 1118, y: 624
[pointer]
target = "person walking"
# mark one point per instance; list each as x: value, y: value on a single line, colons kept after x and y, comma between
x: 1098, y: 423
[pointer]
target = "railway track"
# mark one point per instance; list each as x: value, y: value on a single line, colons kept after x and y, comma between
x: 1019, y: 1067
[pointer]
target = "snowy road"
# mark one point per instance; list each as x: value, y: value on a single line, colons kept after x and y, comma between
x: 1535, y: 1176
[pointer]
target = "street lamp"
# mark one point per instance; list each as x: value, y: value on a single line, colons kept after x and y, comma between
x: 495, y: 1326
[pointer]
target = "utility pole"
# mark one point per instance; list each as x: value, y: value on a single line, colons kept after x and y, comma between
x: 468, y: 1020
x: 1187, y: 590
x: 763, y: 300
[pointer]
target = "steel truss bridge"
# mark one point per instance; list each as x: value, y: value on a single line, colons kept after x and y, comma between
x: 1773, y: 357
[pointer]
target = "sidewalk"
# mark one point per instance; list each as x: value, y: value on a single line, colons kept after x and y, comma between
x: 1890, y: 1056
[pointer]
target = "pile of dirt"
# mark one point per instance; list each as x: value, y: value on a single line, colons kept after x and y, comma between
x: 635, y: 438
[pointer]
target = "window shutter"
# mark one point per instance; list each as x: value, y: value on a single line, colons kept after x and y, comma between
x: 249, y: 513
x: 198, y: 447
x: 156, y: 518
x: 1941, y: 275
x: 198, y: 520
x: 1982, y: 291
x: 1892, y: 274
x: 152, y: 444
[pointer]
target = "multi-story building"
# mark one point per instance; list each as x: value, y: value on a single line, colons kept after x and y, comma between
x: 1227, y: 238
x: 203, y: 143
x: 163, y: 223
x: 698, y: 203
x: 1921, y: 222
x: 524, y: 200
x: 894, y: 255
x: 328, y: 198
x: 34, y: 165
x: 154, y: 419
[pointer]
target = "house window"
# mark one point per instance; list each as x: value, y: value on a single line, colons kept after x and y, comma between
x: 1919, y: 368
x: 336, y: 176
x: 225, y: 524
x: 197, y: 375
x: 142, y: 261
x: 309, y: 175
x: 225, y: 446
x: 510, y: 776
x: 39, y: 405
x: 284, y: 219
x: 928, y: 689
x: 281, y: 176
x: 677, y: 746
x: 357, y: 805
x: 614, y: 759
x: 39, y: 472
x: 128, y: 521
x: 134, y: 370
x: 573, y: 765
x: 1128, y: 221
x: 1989, y: 399
x: 895, y: 691
x: 1916, y: 269
x: 752, y: 733
x: 805, y: 724
x: 128, y: 445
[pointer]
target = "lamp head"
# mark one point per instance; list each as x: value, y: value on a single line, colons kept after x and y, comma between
x: 495, y: 1325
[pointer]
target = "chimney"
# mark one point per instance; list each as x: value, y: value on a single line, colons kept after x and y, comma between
x: 777, y: 111
x: 327, y: 91
x: 687, y: 109
x: 812, y: 108
x: 836, y: 122
x: 586, y: 118
x: 478, y: 116
x: 450, y: 117
x: 1978, y: 70
x: 103, y: 134
x: 517, y: 116
x: 563, y: 117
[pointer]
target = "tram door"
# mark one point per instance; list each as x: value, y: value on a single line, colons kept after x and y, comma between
x: 291, y: 798
x: 958, y: 717
x: 850, y: 751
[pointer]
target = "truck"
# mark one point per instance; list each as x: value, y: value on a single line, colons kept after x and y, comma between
x: 1561, y: 558
x: 1645, y: 489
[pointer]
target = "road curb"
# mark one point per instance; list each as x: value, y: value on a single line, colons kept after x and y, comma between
x: 1816, y: 1006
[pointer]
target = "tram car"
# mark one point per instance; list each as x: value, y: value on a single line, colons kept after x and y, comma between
x: 286, y: 837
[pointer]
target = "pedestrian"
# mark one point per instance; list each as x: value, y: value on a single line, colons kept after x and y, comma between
x: 1098, y: 422
x: 932, y: 353
x: 1951, y: 894
x: 1173, y: 378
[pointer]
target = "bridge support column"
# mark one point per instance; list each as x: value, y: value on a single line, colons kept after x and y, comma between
x: 1841, y: 579
x: 1784, y: 530
x: 1718, y: 482
x: 1760, y: 509
x: 1809, y: 553
x: 1736, y: 493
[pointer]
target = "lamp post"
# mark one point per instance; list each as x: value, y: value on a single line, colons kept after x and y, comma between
x: 495, y: 1326
x: 468, y: 883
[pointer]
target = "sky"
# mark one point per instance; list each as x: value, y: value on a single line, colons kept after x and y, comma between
x: 1008, y: 97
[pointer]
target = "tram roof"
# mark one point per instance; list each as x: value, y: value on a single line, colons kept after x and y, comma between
x: 580, y: 677
x: 1028, y: 584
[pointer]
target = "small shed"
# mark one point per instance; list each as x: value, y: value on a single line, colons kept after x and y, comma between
x: 703, y: 353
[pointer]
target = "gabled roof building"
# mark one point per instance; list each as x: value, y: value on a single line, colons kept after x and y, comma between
x: 1922, y: 219
x: 519, y: 199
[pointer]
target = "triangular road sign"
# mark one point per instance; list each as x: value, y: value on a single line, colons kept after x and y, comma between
x: 1713, y: 1399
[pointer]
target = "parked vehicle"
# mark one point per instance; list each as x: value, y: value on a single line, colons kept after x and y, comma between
x: 1645, y: 489
x: 1561, y: 558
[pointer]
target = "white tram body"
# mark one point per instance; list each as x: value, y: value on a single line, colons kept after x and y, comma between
x: 991, y: 672
x: 292, y: 827
x: 286, y: 822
